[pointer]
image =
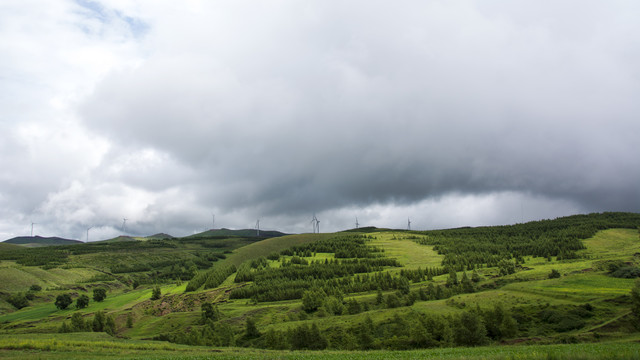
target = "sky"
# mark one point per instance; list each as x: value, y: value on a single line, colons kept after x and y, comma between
x: 441, y: 113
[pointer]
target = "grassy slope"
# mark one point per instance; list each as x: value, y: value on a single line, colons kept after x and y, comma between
x: 92, y: 345
x: 410, y: 254
x: 579, y: 284
x: 267, y: 246
x: 15, y: 277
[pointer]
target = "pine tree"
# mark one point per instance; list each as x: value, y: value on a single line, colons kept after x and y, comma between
x: 110, y: 325
x: 635, y: 301
x: 155, y: 294
x: 275, y: 340
x: 365, y: 333
x: 251, y: 331
x: 78, y: 323
x: 98, y: 322
x: 470, y: 330
x: 467, y: 285
x: 64, y: 328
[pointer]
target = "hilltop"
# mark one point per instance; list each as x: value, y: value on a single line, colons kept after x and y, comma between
x: 239, y: 233
x: 36, y: 241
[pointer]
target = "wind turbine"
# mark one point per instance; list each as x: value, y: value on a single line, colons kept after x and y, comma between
x: 89, y: 228
x: 258, y: 227
x: 32, y: 223
x: 408, y: 224
x: 316, y: 224
x: 357, y: 225
x: 213, y: 221
x: 124, y: 223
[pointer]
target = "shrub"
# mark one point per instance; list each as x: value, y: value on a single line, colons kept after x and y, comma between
x: 626, y: 272
x: 554, y: 274
x: 35, y: 287
x: 82, y: 302
x: 63, y: 301
x: 99, y: 294
x: 18, y: 300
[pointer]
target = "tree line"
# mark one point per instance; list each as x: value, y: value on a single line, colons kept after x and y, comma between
x: 467, y: 248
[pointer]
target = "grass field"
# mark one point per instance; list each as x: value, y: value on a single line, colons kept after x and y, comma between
x: 267, y: 246
x: 30, y: 332
x: 101, y: 346
x: 409, y: 253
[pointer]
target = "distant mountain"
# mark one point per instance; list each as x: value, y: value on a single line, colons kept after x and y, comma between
x: 159, y: 236
x: 118, y: 239
x: 240, y: 233
x: 366, y: 229
x: 37, y: 241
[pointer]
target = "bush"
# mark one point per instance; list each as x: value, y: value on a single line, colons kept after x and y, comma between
x: 99, y: 294
x: 35, y: 287
x: 63, y: 301
x: 554, y: 274
x: 18, y: 300
x: 82, y: 302
x: 626, y: 272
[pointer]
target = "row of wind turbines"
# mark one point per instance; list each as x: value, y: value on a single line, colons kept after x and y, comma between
x: 314, y: 222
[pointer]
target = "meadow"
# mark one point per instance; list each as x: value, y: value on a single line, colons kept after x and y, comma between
x: 538, y: 290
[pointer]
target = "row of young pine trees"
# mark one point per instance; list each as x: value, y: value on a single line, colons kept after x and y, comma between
x: 409, y: 331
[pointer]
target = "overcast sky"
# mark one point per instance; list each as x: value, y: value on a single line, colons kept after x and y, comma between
x: 448, y: 113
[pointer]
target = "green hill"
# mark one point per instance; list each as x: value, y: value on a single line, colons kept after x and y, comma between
x: 484, y: 292
x: 6, y: 246
x: 160, y: 236
x: 35, y: 241
x: 240, y: 233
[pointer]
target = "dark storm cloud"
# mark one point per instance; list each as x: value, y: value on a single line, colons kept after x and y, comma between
x: 347, y: 106
x: 452, y: 113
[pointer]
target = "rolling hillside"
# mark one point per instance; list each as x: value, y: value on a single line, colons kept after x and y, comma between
x: 567, y: 280
x: 35, y: 241
x: 239, y: 233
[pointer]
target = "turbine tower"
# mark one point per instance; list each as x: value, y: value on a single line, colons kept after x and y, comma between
x: 213, y: 221
x: 316, y: 224
x: 258, y: 227
x: 32, y: 223
x: 357, y: 224
x: 408, y: 224
x: 124, y: 223
x: 89, y: 228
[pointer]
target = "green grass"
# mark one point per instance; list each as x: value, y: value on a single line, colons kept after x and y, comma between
x: 613, y: 244
x: 15, y: 277
x: 526, y: 289
x: 267, y: 246
x: 578, y: 288
x: 409, y: 253
x: 101, y: 346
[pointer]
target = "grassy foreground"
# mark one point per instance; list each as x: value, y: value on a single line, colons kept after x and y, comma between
x: 102, y: 346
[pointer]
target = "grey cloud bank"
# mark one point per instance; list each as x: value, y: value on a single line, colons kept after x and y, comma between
x: 449, y: 113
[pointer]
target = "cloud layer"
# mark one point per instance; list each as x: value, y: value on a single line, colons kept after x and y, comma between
x: 451, y: 114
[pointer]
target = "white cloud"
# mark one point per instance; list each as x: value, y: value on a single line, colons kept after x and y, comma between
x: 449, y: 113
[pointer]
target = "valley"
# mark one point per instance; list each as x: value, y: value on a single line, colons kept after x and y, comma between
x: 554, y: 288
